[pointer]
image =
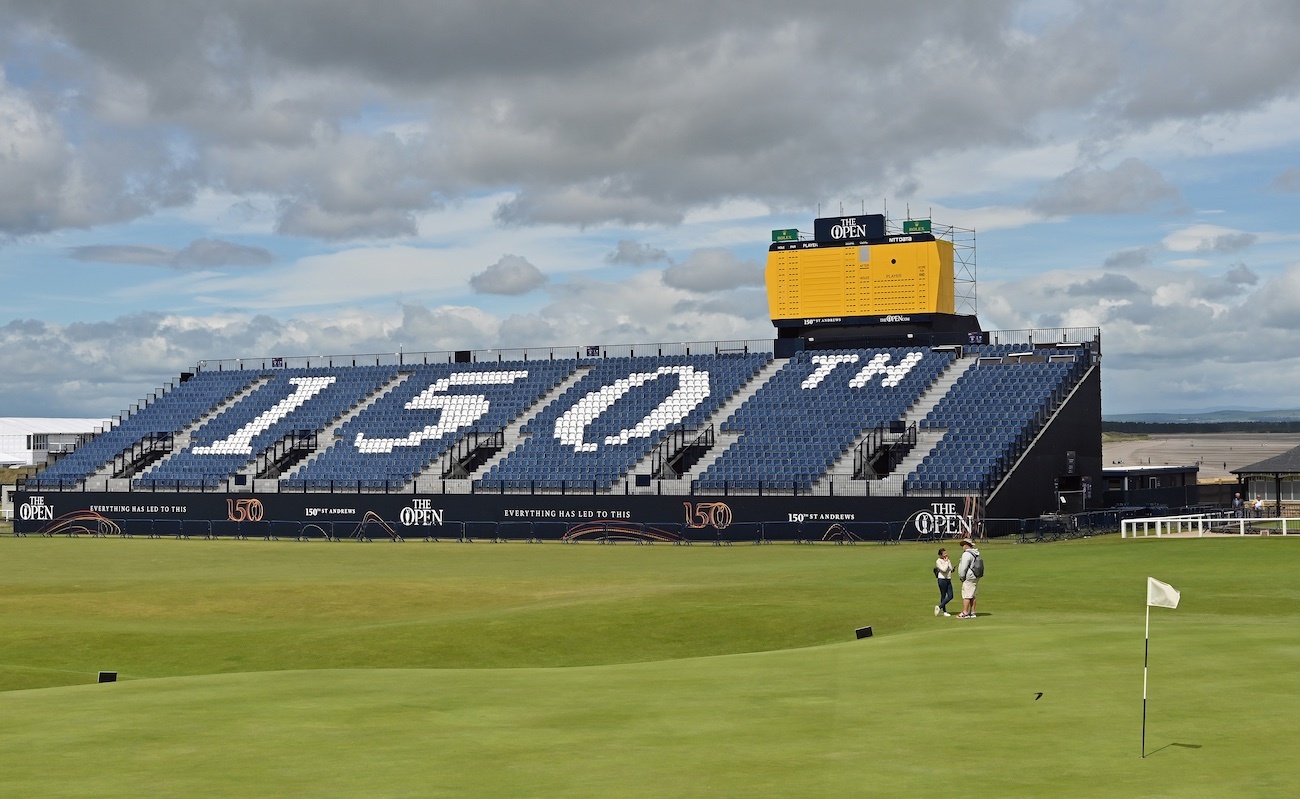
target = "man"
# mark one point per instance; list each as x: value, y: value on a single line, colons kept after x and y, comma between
x: 1238, y: 507
x: 969, y: 580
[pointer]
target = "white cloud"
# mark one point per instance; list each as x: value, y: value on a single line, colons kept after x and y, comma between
x: 355, y: 126
x: 76, y: 368
x: 384, y: 157
x: 206, y: 252
x: 634, y: 253
x: 1288, y: 180
x: 988, y: 218
x: 1207, y: 238
x: 198, y: 254
x: 1129, y: 258
x: 510, y: 275
x: 713, y: 270
x: 1130, y: 187
x: 1192, y: 335
x: 346, y: 277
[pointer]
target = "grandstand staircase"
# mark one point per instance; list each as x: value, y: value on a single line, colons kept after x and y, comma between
x: 884, y: 447
x: 892, y: 484
x: 117, y: 476
x: 926, y: 438
x: 330, y: 434
x: 142, y: 454
x: 470, y: 452
x: 284, y: 454
x: 721, y: 440
x: 679, y: 451
x: 510, y: 438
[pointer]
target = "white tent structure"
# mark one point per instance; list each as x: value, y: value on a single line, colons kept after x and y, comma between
x: 28, y: 440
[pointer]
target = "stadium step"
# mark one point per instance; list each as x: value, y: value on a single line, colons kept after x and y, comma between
x: 432, y: 476
x: 328, y: 435
x: 939, y: 389
x: 842, y: 470
x: 181, y: 440
x: 926, y: 441
x: 721, y: 440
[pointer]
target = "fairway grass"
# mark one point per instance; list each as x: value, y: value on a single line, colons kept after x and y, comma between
x: 282, y: 669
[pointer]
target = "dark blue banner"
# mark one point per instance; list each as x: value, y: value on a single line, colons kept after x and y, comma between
x: 485, y: 516
x: 849, y: 228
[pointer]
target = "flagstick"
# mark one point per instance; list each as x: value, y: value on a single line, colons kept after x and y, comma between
x: 1146, y: 655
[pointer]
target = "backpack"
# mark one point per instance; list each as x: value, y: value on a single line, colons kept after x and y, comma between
x: 977, y: 566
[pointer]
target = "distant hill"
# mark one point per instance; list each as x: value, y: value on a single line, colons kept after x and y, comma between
x: 1216, y: 422
x: 1205, y: 417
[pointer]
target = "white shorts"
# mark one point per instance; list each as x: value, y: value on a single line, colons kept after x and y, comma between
x: 968, y: 588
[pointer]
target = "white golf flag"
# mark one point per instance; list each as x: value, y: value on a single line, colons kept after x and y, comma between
x: 1161, y: 595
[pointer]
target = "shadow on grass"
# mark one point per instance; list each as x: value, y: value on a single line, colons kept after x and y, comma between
x: 1180, y: 746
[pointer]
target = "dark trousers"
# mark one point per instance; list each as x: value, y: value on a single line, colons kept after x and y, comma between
x: 945, y: 594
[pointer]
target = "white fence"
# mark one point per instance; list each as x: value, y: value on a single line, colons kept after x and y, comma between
x: 1222, y: 523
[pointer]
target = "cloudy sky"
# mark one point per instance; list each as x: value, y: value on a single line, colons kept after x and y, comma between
x: 195, y: 180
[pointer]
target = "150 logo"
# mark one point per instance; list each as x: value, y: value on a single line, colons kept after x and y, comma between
x: 244, y: 510
x: 707, y: 514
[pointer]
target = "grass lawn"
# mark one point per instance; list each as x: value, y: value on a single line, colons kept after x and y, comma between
x: 1109, y: 436
x: 431, y: 670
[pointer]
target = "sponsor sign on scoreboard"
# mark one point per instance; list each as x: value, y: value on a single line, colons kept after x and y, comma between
x: 849, y: 228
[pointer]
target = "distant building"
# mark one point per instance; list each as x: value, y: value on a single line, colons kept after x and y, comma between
x: 1150, y: 485
x: 1275, y: 479
x: 25, y: 441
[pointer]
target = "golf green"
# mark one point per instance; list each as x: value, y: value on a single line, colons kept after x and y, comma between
x: 285, y: 669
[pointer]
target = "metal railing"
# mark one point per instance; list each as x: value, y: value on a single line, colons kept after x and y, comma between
x: 675, y: 446
x: 580, y: 352
x: 1223, y: 522
x: 829, y: 486
x: 475, y: 445
x: 900, y: 444
x: 292, y: 446
x: 148, y: 449
x: 1045, y: 336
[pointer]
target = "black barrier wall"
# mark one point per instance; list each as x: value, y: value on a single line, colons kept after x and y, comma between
x: 478, y: 517
x: 1066, y: 457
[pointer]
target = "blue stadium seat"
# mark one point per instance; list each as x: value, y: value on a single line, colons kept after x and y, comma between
x: 979, y: 445
x: 618, y: 413
x: 820, y: 402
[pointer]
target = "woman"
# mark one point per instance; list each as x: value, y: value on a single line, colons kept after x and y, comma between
x: 943, y: 573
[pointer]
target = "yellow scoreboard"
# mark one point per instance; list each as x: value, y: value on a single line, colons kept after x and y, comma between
x: 815, y: 281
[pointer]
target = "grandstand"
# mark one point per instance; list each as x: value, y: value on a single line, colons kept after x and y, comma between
x: 846, y: 424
